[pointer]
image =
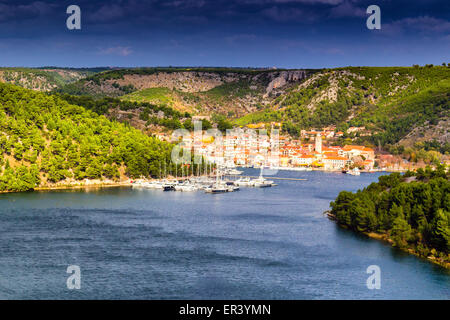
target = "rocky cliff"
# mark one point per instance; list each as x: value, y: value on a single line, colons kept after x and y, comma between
x: 228, y: 91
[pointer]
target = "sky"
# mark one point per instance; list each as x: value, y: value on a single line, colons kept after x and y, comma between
x: 233, y: 33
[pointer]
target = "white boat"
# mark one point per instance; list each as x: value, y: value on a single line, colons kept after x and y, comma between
x: 233, y: 172
x: 168, y: 185
x: 244, y: 182
x: 153, y: 185
x: 261, y: 182
x: 158, y: 185
x: 148, y: 185
x: 138, y: 184
x: 186, y: 187
x: 354, y: 172
x: 217, y: 188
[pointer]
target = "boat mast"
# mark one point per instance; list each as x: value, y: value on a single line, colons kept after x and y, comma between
x: 165, y: 169
x: 217, y: 176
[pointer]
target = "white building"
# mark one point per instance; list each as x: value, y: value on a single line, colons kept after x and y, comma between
x: 334, y: 163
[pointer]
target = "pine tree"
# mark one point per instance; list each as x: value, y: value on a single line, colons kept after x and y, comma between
x: 401, y: 231
x: 441, y: 231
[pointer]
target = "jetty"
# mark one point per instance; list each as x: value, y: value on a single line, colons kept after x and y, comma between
x: 281, y: 178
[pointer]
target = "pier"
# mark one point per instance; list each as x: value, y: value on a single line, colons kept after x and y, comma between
x: 280, y: 178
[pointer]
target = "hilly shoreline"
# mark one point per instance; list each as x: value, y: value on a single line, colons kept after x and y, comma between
x: 403, y: 110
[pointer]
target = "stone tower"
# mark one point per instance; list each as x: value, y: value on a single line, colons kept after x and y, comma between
x: 318, y: 147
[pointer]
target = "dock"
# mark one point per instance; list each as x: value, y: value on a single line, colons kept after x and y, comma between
x: 279, y: 178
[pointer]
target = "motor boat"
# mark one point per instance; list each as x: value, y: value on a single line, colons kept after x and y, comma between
x: 138, y: 184
x: 153, y: 185
x: 186, y: 187
x: 217, y: 188
x: 232, y: 172
x: 261, y: 182
x: 244, y: 182
x: 168, y: 185
x: 354, y: 172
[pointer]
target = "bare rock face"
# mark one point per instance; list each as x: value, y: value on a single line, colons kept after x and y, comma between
x: 183, y: 81
x: 240, y: 91
x: 282, y: 78
x: 427, y: 132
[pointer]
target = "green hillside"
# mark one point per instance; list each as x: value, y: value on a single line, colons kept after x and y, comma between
x: 44, y: 140
x: 143, y: 114
x: 157, y: 95
x: 46, y: 78
x: 221, y: 99
x: 388, y: 101
x: 397, y: 107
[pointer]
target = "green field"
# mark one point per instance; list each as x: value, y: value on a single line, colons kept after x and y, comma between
x: 158, y: 95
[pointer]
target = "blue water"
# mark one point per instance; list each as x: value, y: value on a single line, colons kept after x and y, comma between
x: 271, y: 243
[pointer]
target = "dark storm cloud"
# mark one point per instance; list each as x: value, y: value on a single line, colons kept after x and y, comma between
x: 423, y: 25
x: 167, y: 12
x: 16, y: 11
x: 228, y: 32
x: 347, y: 9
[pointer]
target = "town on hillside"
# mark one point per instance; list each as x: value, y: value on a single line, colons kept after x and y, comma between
x: 312, y: 151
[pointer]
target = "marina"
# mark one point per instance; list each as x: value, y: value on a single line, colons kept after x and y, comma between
x: 224, y: 180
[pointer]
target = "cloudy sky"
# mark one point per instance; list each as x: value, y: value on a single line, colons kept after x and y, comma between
x: 256, y: 33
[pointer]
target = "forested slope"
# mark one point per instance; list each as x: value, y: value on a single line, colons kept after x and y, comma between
x: 148, y: 117
x: 396, y: 106
x: 389, y: 101
x: 46, y: 78
x: 44, y: 140
x: 411, y: 211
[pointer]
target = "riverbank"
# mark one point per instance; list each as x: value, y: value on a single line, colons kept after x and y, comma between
x: 84, y: 186
x: 88, y: 184
x: 384, y: 237
x: 79, y: 185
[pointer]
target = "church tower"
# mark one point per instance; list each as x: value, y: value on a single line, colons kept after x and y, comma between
x: 318, y: 147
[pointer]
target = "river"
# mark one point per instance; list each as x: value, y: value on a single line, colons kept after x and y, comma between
x: 271, y: 243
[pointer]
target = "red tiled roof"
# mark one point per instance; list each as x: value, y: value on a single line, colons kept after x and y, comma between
x: 351, y: 147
